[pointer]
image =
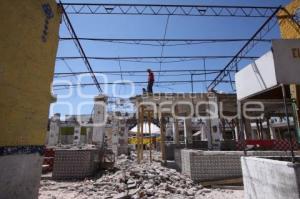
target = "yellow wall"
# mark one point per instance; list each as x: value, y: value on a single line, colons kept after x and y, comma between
x: 288, y: 28
x: 26, y: 70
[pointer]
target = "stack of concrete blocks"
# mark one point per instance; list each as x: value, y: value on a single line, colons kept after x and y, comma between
x: 123, y: 137
x: 99, y: 120
x: 120, y: 136
x: 77, y: 134
x: 74, y: 163
x: 213, y: 123
x: 216, y: 165
x: 115, y: 137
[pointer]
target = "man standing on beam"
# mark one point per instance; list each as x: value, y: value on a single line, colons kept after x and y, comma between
x: 150, y: 81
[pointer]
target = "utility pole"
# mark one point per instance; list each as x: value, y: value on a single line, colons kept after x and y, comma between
x: 192, y: 82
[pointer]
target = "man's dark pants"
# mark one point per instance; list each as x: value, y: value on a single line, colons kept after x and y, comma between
x: 149, y: 87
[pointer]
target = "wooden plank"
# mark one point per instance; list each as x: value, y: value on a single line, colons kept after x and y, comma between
x: 227, y: 187
x: 223, y: 182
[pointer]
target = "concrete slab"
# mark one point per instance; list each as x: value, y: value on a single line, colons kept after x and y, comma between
x: 270, y: 178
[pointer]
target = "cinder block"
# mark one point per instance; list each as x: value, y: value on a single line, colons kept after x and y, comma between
x: 74, y: 164
x: 215, y: 165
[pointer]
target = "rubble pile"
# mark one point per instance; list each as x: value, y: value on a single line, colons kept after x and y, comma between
x: 130, y: 180
x: 149, y: 180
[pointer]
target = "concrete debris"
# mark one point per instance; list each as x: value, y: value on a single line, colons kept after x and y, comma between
x: 131, y: 180
x: 73, y: 146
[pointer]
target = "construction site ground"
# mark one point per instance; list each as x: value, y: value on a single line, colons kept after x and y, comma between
x: 129, y: 179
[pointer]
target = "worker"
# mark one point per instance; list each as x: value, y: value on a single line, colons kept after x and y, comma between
x: 150, y: 81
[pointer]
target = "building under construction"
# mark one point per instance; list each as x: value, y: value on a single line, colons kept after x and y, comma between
x: 78, y: 122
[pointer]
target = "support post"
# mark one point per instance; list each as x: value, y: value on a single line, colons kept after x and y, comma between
x: 192, y: 82
x: 142, y: 132
x: 77, y: 134
x: 187, y: 131
x: 295, y: 94
x: 248, y: 129
x: 288, y: 122
x: 162, y: 139
x: 175, y: 131
x: 138, y: 136
x: 99, y: 119
x: 149, y: 115
x: 176, y: 128
x: 272, y: 133
x: 53, y: 137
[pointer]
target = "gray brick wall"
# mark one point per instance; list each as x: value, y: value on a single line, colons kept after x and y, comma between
x: 214, y: 165
x: 74, y: 164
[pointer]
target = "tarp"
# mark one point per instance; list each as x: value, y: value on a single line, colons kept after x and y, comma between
x: 154, y: 129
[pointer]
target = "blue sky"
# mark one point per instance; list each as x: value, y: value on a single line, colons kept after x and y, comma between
x: 128, y: 26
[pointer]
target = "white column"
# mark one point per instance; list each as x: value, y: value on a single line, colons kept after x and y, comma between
x: 115, y: 136
x: 188, y: 131
x: 89, y: 134
x: 272, y: 133
x: 214, y: 123
x: 216, y: 135
x: 77, y: 133
x: 248, y: 130
x: 236, y: 132
x: 175, y: 131
x: 99, y: 120
x: 54, y: 130
x: 123, y: 136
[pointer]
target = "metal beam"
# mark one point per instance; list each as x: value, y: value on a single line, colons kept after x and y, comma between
x: 140, y: 82
x: 140, y: 71
x: 80, y: 48
x: 169, y: 9
x: 162, y: 42
x: 259, y: 34
x: 158, y: 57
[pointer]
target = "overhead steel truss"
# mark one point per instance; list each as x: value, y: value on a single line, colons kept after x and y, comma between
x: 259, y: 34
x: 141, y: 71
x: 137, y: 82
x: 181, y: 10
x: 80, y: 48
x: 158, y: 58
x: 162, y: 42
x: 169, y: 9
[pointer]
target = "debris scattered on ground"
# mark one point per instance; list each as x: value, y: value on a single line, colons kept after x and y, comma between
x: 132, y: 180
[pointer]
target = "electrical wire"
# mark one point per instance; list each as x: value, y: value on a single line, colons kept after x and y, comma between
x: 163, y: 45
